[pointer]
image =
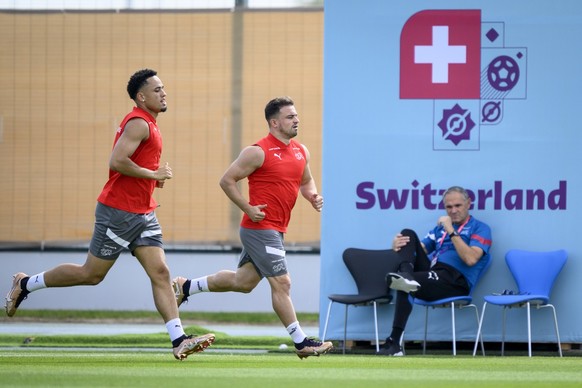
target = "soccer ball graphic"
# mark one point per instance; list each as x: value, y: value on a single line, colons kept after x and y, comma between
x: 503, y: 73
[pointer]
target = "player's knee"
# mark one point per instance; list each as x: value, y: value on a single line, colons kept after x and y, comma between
x: 246, y: 288
x: 93, y: 279
x: 282, y: 285
x: 408, y: 232
x: 162, y: 272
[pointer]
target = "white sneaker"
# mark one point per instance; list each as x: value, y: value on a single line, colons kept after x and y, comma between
x: 401, y: 282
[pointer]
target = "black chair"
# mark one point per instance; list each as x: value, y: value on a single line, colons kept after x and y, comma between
x: 369, y: 269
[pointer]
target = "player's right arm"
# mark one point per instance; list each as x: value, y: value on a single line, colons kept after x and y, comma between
x: 248, y: 161
x: 135, y: 131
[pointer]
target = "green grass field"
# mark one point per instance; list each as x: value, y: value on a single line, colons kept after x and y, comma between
x: 105, y: 368
x: 147, y: 361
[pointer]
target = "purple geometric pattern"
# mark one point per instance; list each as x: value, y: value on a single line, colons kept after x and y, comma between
x: 456, y: 124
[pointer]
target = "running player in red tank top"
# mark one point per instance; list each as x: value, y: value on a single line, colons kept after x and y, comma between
x: 125, y: 217
x: 277, y: 169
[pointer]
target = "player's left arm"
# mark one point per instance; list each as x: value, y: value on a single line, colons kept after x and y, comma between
x: 308, y: 187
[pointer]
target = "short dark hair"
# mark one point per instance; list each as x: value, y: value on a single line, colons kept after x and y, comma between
x: 138, y: 80
x: 457, y: 189
x: 274, y: 106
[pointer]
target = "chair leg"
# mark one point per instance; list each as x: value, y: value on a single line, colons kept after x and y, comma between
x: 556, y: 328
x: 345, y: 329
x: 454, y: 330
x: 376, y: 328
x: 528, y: 329
x: 479, y: 335
x: 503, y: 332
x: 425, y: 330
x: 327, y: 320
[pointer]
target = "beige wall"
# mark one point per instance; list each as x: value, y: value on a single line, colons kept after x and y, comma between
x: 63, y: 78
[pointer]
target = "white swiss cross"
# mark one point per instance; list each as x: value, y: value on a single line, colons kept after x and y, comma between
x: 440, y: 54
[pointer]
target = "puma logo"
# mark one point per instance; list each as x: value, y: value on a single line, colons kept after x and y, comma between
x: 278, y: 156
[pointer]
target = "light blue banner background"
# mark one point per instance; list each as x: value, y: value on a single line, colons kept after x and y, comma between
x: 372, y: 135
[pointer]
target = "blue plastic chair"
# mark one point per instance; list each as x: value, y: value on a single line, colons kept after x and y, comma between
x: 454, y: 302
x: 534, y: 274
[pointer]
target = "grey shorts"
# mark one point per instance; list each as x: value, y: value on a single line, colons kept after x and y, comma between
x: 116, y: 230
x: 265, y: 250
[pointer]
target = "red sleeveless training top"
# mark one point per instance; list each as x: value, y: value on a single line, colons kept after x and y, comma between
x: 276, y: 183
x: 132, y: 194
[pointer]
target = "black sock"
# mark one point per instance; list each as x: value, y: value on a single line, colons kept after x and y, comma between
x: 186, y: 287
x: 178, y: 340
x: 23, y: 283
x: 300, y: 345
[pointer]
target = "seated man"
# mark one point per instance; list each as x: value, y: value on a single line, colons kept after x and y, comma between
x: 444, y: 264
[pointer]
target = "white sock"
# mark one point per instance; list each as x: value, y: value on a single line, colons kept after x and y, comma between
x: 296, y: 333
x: 199, y: 285
x: 175, y: 328
x: 36, y: 282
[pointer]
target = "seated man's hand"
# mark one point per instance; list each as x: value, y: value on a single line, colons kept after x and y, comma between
x: 399, y: 241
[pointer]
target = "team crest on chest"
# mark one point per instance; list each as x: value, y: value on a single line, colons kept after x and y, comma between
x: 298, y: 154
